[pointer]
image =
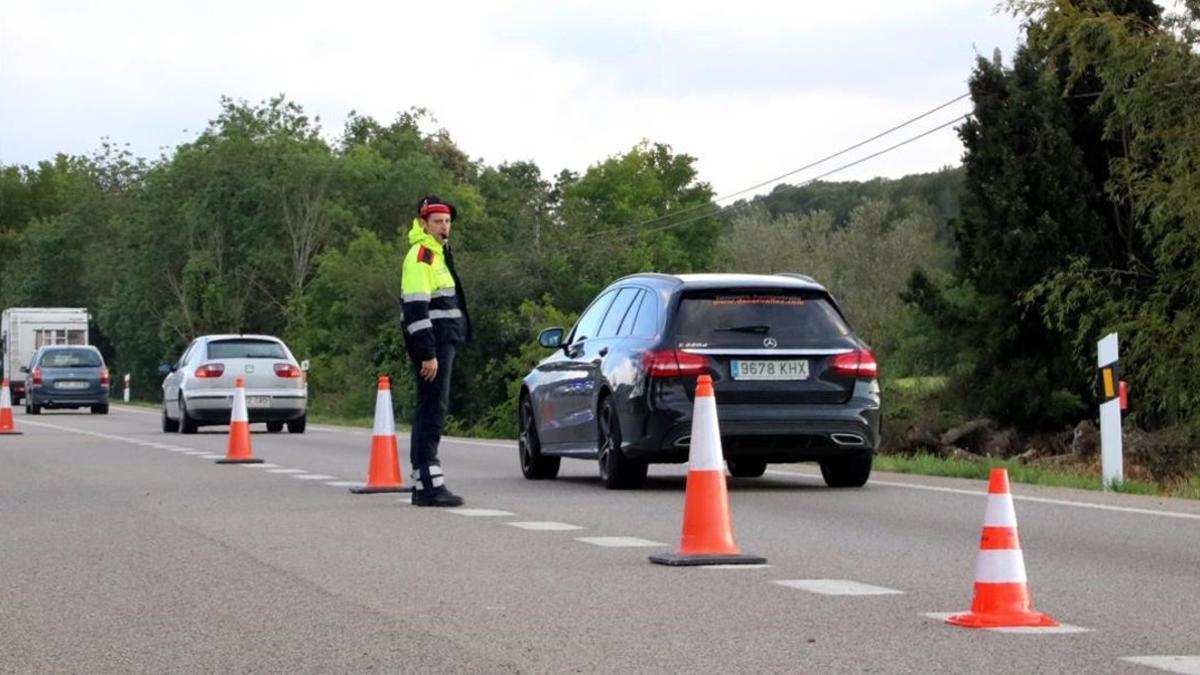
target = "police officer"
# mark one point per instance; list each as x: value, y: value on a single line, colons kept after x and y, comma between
x: 435, y: 323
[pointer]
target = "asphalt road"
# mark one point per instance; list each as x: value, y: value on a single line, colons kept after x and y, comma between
x: 121, y: 552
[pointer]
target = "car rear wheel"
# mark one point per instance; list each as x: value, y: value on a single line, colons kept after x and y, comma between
x: 746, y: 468
x: 168, y: 425
x: 274, y: 427
x: 33, y: 409
x: 847, y: 472
x: 187, y: 425
x: 617, y: 471
x: 100, y: 409
x: 534, y: 465
x: 297, y: 426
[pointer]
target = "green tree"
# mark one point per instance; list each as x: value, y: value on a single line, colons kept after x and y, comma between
x: 1145, y: 75
x: 1037, y: 167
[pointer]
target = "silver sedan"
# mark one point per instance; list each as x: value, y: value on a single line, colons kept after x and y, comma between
x: 198, y: 388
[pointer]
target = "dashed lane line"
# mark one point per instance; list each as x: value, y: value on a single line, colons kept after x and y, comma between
x: 544, y: 526
x: 313, y: 476
x: 619, y: 542
x: 1185, y: 665
x: 481, y: 513
x: 835, y: 587
x: 288, y: 471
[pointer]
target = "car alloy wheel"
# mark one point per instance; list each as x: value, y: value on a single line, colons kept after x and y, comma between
x: 617, y: 471
x: 534, y: 465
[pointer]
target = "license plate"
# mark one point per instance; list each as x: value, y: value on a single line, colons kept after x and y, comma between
x: 71, y: 384
x: 258, y: 401
x: 796, y: 369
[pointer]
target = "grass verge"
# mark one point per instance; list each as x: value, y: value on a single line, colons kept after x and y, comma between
x: 931, y: 465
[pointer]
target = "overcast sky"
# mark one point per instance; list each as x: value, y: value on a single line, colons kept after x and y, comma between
x: 750, y: 88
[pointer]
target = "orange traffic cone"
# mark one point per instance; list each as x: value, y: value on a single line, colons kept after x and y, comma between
x: 707, y: 526
x: 6, y: 416
x: 1001, y: 588
x: 239, y: 451
x: 383, y: 473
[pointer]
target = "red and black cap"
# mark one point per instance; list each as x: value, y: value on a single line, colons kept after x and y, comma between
x: 432, y: 204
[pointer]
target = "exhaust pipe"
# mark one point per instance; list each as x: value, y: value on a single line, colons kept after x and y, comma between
x: 848, y: 439
x: 683, y: 441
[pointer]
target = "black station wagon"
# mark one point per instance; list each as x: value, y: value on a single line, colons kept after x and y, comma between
x: 793, y: 382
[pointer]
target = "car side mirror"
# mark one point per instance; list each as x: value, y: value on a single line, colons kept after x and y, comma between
x: 166, y: 369
x: 24, y: 369
x: 304, y: 365
x: 551, y: 338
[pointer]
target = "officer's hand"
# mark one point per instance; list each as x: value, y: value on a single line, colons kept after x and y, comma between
x: 429, y: 370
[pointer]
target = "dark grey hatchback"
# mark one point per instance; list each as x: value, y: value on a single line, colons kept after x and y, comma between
x: 793, y: 382
x: 67, y: 377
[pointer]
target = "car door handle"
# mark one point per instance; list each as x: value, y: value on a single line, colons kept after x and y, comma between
x: 603, y: 351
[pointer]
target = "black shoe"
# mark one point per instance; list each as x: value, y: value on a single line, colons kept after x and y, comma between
x: 438, y: 497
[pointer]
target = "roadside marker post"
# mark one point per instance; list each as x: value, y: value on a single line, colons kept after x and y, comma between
x: 126, y: 394
x: 1112, y: 401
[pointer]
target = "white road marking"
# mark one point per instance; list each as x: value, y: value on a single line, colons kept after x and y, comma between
x: 313, y: 476
x: 1186, y: 665
x: 287, y: 471
x: 261, y: 466
x: 619, y: 542
x: 211, y: 456
x: 734, y: 567
x: 195, y: 452
x: 544, y: 526
x: 836, y: 587
x: 344, y: 483
x: 132, y: 409
x: 983, y: 493
x: 1060, y: 629
x: 481, y: 513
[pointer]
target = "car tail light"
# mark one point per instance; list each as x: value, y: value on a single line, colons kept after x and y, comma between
x: 673, y: 363
x: 211, y: 370
x: 37, y: 376
x: 858, y: 363
x: 286, y: 370
x: 104, y: 376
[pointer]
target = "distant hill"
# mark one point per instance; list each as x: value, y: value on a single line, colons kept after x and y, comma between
x: 938, y: 191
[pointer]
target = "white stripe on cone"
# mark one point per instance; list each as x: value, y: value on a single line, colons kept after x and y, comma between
x: 705, y: 453
x: 385, y: 425
x: 1000, y: 512
x: 1004, y: 566
x: 239, y: 414
x: 5, y: 398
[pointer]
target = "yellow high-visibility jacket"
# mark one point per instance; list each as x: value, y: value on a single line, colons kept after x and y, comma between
x: 434, y: 307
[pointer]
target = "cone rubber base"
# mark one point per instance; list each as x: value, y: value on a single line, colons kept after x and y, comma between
x: 250, y: 460
x: 364, y: 490
x: 12, y: 433
x: 695, y: 560
x: 1005, y: 620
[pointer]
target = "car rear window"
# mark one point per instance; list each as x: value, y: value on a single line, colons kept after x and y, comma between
x: 747, y: 316
x: 245, y: 349
x: 71, y: 358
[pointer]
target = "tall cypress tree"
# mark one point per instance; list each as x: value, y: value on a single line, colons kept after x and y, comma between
x: 1037, y: 164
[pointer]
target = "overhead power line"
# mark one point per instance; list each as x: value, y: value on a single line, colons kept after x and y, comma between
x: 715, y: 208
x: 793, y: 172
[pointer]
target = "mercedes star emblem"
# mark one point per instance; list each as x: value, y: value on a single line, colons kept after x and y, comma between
x: 770, y: 343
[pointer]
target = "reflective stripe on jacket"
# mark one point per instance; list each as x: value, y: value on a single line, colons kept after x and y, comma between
x: 434, y: 308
